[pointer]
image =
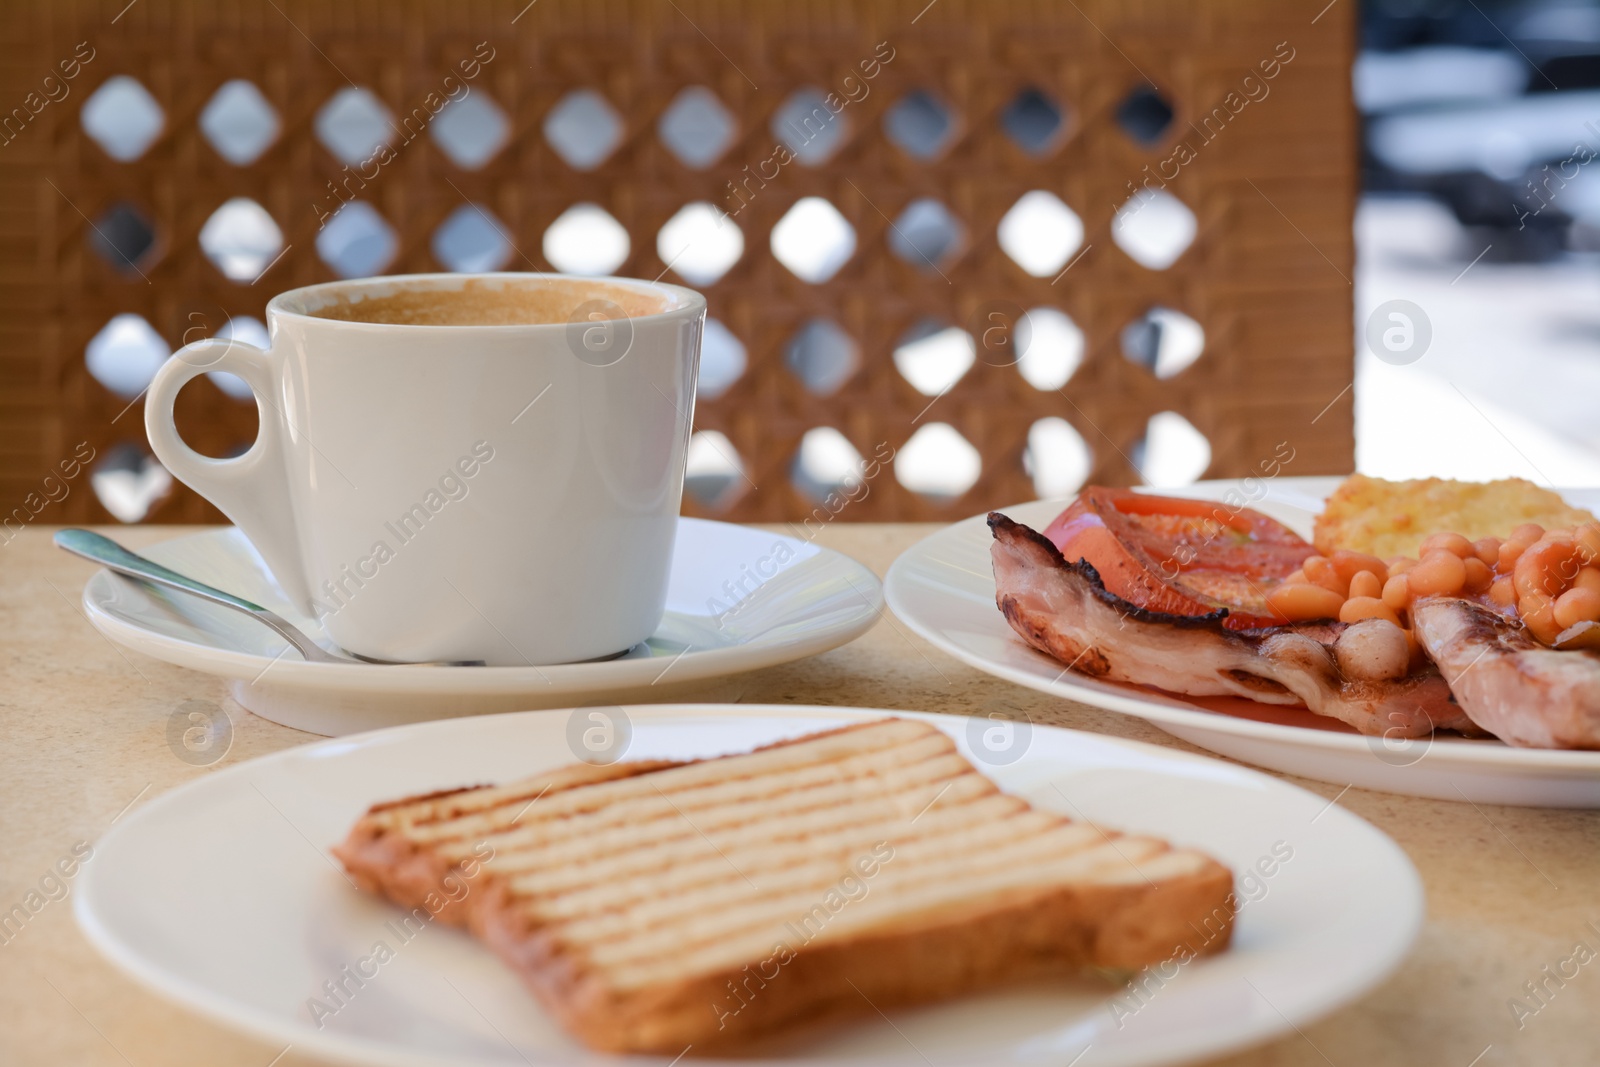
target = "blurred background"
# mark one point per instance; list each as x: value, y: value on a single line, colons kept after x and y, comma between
x: 1480, y: 122
x: 956, y: 254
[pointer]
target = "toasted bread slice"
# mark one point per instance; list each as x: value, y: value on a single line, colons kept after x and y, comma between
x: 1387, y: 519
x: 656, y: 907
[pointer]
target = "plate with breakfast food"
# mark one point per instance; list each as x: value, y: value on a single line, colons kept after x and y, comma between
x: 1431, y: 637
x: 758, y: 885
x: 738, y: 599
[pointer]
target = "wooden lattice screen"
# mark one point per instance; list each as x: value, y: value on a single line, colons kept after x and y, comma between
x: 1271, y: 184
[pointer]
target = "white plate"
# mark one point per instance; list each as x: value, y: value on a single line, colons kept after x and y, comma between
x: 739, y: 599
x: 221, y: 896
x: 943, y: 588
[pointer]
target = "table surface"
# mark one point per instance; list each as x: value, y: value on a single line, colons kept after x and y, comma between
x: 1510, y: 891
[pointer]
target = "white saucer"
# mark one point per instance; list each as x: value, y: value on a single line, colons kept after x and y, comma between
x: 737, y: 601
x: 943, y: 588
x: 221, y: 896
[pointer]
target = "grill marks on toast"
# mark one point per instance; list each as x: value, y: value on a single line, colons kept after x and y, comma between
x: 648, y: 869
x: 700, y: 836
x: 942, y: 878
x: 817, y: 864
x: 639, y: 881
x: 687, y: 788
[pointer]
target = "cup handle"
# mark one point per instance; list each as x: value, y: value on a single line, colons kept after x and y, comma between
x: 252, y: 490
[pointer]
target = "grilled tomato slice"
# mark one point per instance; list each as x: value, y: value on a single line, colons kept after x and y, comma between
x: 1181, y: 557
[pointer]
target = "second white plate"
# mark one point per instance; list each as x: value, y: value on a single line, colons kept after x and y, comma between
x: 943, y: 588
x: 221, y: 896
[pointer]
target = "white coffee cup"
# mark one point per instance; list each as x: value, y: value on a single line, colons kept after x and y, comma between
x: 503, y: 492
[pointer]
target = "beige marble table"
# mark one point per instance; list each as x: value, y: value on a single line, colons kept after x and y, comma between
x: 1511, y: 891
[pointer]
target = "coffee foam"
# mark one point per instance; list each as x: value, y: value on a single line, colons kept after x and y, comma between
x: 484, y: 303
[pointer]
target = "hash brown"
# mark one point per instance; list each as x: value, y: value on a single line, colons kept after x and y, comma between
x: 1386, y: 519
